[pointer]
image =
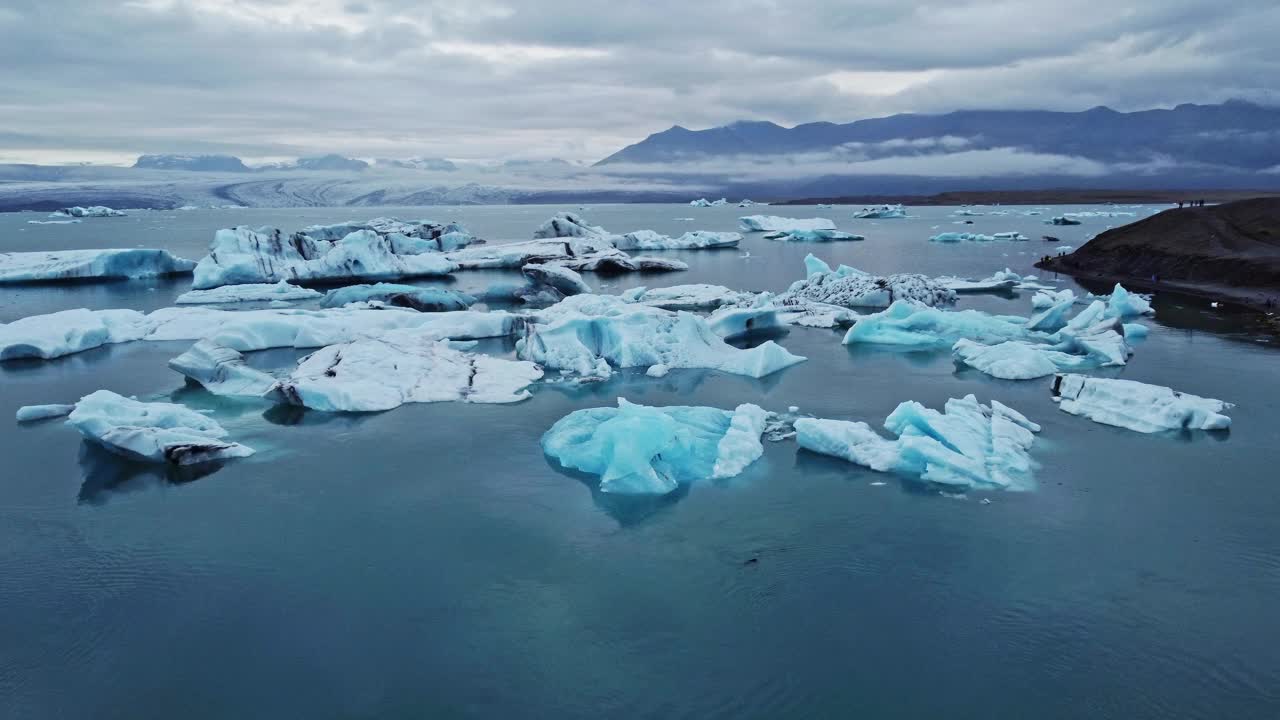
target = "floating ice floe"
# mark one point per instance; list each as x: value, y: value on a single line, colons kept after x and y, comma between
x: 687, y: 297
x: 1099, y: 213
x: 407, y: 237
x: 113, y: 264
x: 1138, y: 406
x: 1087, y: 341
x: 152, y: 431
x: 398, y: 367
x: 849, y: 287
x: 566, y: 225
x: 910, y: 325
x: 561, y: 279
x: 1061, y: 220
x: 773, y: 223
x: 814, y: 236
x: 255, y: 292
x: 957, y: 237
x: 641, y: 450
x: 703, y: 202
x: 967, y: 212
x: 584, y: 254
x: 696, y: 240
x: 880, y: 212
x: 33, y: 413
x: 422, y: 299
x: 968, y: 445
x: 1046, y: 299
x: 222, y: 370
x: 588, y: 335
x: 241, y: 255
x: 1002, y: 280
x: 53, y: 222
x: 750, y: 203
x: 71, y: 331
x: 92, y: 211
x: 732, y: 323
x: 1124, y: 304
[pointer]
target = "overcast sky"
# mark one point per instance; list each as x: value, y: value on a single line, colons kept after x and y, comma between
x: 104, y: 80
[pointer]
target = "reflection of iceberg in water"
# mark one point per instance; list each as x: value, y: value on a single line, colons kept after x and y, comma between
x: 626, y: 510
x: 107, y: 474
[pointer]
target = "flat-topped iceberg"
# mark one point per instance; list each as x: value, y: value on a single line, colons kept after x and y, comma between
x: 773, y: 223
x: 398, y: 367
x: 641, y: 450
x: 968, y: 445
x: 585, y: 254
x: 406, y: 237
x: 422, y: 299
x: 1138, y: 406
x: 112, y: 264
x: 68, y: 331
x: 1002, y: 280
x: 814, y: 236
x: 696, y: 240
x: 880, y: 212
x: 93, y: 211
x: 588, y: 335
x: 152, y: 431
x: 912, y: 326
x: 254, y: 292
x: 852, y: 288
x: 959, y: 237
x: 221, y: 370
x: 241, y: 255
x: 34, y: 413
x: 699, y: 296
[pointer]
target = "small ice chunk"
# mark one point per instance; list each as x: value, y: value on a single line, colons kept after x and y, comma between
x: 32, y: 413
x: 221, y: 370
x: 657, y: 371
x: 152, y: 431
x: 422, y: 299
x: 564, y: 280
x: 1138, y: 406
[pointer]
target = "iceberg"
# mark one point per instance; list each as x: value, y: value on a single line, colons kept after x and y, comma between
x: 958, y: 237
x: 1124, y: 304
x: 587, y: 334
x: 112, y: 264
x: 152, y: 431
x: 241, y: 255
x: 848, y: 287
x: 562, y: 279
x: 696, y: 240
x: 422, y: 299
x: 703, y: 202
x: 773, y: 223
x: 86, y: 212
x: 54, y: 222
x: 966, y: 212
x: 698, y: 296
x: 1046, y: 299
x: 221, y: 370
x: 641, y: 450
x: 968, y: 445
x: 579, y: 254
x: 69, y: 331
x: 1138, y: 406
x: 32, y: 413
x: 909, y: 325
x: 567, y: 225
x: 1015, y: 360
x: 738, y: 322
x: 1003, y: 280
x: 406, y: 237
x: 814, y: 236
x: 880, y: 212
x: 1061, y: 220
x: 398, y: 367
x: 254, y: 292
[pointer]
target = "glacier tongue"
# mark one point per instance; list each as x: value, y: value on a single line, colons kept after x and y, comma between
x: 968, y: 445
x: 636, y: 449
x: 111, y: 264
x: 1138, y: 406
x: 152, y: 431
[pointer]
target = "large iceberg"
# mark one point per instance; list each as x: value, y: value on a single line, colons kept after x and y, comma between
x: 849, y: 287
x: 912, y: 326
x: 590, y: 334
x: 814, y: 236
x: 968, y: 445
x: 698, y: 296
x: 773, y: 223
x: 590, y: 254
x: 407, y: 237
x: 112, y: 264
x: 69, y: 331
x: 241, y: 255
x: 1138, y: 406
x: 880, y: 212
x: 958, y: 237
x: 636, y: 449
x: 422, y: 299
x: 566, y: 225
x: 696, y: 240
x: 1124, y: 304
x: 152, y: 431
x: 86, y: 212
x: 282, y: 291
x: 398, y: 367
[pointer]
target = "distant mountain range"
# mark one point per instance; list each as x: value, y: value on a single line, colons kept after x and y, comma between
x: 196, y: 163
x: 1233, y: 136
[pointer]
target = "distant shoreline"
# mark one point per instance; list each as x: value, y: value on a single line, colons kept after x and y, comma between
x: 1041, y: 197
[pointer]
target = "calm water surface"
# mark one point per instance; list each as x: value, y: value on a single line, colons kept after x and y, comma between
x: 431, y: 562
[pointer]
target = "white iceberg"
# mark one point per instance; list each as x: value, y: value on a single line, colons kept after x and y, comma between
x: 568, y: 225
x: 398, y: 367
x: 1124, y: 304
x: 1046, y: 299
x: 773, y: 223
x: 880, y: 212
x: 814, y: 236
x: 641, y: 450
x: 69, y: 331
x: 590, y: 254
x: 562, y: 279
x: 968, y: 445
x: 589, y: 334
x: 111, y: 264
x: 32, y: 413
x: 912, y: 326
x: 696, y: 240
x: 241, y: 255
x: 221, y: 370
x: 154, y: 432
x: 958, y: 237
x: 1003, y: 280
x: 422, y: 299
x: 698, y: 296
x: 254, y: 292
x: 849, y: 287
x: 406, y: 237
x: 1061, y: 220
x: 1138, y: 406
x: 86, y: 212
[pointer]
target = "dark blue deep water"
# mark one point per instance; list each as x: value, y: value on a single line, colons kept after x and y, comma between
x: 430, y: 562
